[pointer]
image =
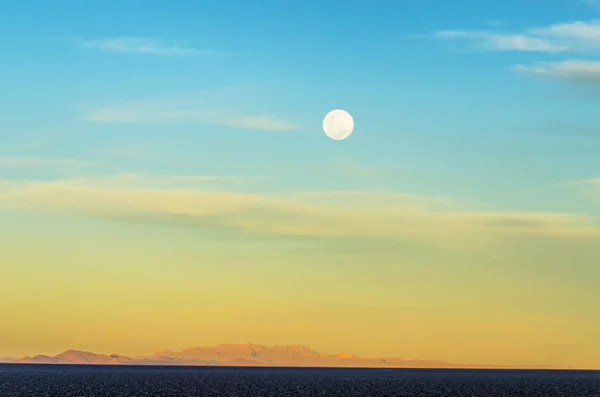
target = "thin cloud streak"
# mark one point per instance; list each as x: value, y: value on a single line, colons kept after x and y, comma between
x: 13, y: 162
x: 501, y: 42
x: 590, y: 188
x: 571, y: 70
x: 161, y: 180
x: 138, y: 45
x: 588, y: 182
x: 182, y: 112
x: 147, y: 181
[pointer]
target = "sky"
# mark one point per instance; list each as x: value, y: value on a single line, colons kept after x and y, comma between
x: 165, y: 181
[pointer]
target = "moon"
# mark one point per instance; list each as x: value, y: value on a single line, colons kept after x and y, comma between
x: 338, y: 124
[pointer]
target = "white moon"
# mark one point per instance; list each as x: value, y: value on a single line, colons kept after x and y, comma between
x: 338, y: 124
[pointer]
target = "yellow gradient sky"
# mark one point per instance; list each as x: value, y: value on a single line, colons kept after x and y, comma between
x: 109, y: 266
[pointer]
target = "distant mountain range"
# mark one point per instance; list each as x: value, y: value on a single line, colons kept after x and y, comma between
x: 240, y: 355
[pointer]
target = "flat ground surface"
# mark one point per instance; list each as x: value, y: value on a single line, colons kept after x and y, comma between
x: 114, y: 381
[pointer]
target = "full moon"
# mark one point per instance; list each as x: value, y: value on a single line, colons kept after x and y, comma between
x: 338, y: 124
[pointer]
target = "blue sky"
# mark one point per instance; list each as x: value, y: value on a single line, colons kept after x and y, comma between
x: 432, y: 110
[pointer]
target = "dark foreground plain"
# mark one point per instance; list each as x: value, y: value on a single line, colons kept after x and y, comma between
x: 39, y: 380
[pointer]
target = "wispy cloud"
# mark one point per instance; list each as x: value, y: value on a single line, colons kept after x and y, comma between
x: 579, y: 37
x: 10, y: 162
x: 502, y: 42
x: 208, y: 178
x: 254, y: 123
x: 172, y: 181
x: 182, y: 112
x: 406, y: 218
x: 594, y: 182
x: 583, y: 182
x: 139, y: 45
x: 590, y: 188
x: 572, y: 70
x: 575, y: 37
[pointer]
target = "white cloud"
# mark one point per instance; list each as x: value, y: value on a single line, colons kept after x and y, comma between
x: 10, y: 162
x: 573, y: 70
x: 577, y: 37
x: 502, y: 42
x: 182, y: 111
x: 521, y: 43
x: 580, y: 34
x: 137, y: 45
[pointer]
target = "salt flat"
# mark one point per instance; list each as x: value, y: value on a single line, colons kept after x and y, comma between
x: 39, y: 380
